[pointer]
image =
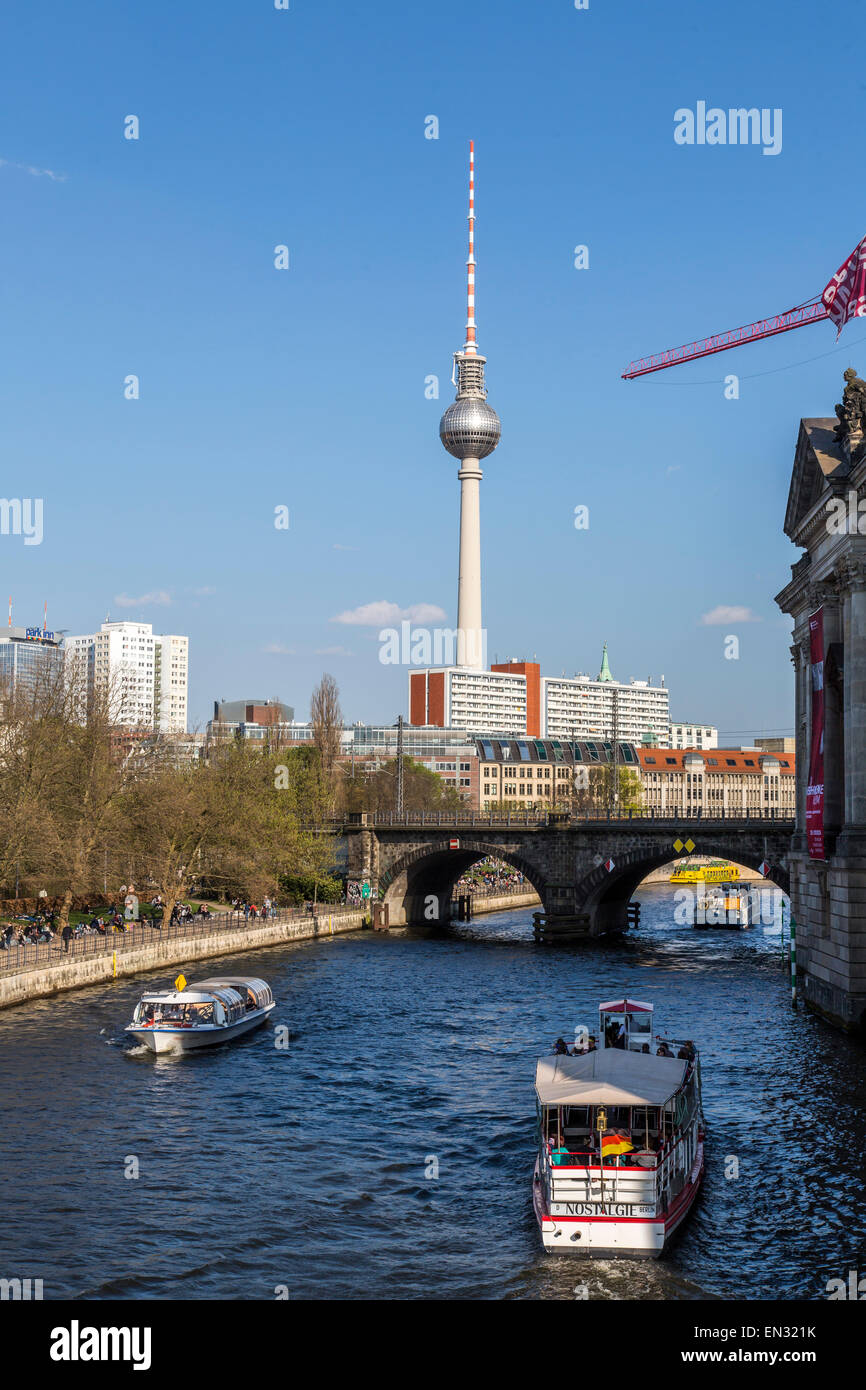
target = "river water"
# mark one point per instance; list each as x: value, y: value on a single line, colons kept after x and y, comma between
x: 308, y: 1168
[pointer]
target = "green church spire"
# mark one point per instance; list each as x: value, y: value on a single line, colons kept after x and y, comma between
x: 604, y: 673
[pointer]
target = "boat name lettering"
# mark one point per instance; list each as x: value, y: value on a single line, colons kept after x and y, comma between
x: 603, y: 1209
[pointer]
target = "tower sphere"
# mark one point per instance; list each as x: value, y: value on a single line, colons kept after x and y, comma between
x: 469, y: 428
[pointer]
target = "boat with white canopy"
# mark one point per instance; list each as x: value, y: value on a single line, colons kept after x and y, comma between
x: 621, y: 1137
x: 199, y: 1015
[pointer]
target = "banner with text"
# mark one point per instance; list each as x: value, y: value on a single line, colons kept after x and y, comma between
x: 845, y: 296
x: 815, y: 785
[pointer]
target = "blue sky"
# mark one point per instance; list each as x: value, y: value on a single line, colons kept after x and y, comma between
x: 305, y: 388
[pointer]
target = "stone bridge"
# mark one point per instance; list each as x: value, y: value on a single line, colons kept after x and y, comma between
x: 413, y: 864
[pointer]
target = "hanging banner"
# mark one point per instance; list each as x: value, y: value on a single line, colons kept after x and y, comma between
x: 815, y: 785
x: 845, y: 296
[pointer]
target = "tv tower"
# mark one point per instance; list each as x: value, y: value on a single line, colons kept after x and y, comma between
x: 470, y: 431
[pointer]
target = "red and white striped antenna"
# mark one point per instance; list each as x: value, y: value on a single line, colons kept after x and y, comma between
x: 45, y: 618
x: 470, y: 347
x: 10, y: 610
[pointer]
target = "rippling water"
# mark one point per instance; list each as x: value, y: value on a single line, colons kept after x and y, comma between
x: 306, y: 1167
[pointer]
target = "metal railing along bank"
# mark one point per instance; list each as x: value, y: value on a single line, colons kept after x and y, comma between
x: 520, y: 890
x: 36, y: 955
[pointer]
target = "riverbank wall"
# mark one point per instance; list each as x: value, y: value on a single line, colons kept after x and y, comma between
x: 55, y: 978
x: 502, y: 902
x: 58, y: 975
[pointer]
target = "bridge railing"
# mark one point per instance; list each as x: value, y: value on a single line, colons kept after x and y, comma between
x: 771, y: 816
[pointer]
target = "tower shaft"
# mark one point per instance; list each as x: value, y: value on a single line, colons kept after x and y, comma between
x: 470, y: 636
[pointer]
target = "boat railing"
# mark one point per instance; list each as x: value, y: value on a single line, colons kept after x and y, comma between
x: 637, y: 1186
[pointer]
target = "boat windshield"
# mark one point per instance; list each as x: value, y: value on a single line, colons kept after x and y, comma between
x: 189, y: 1015
x: 626, y: 1030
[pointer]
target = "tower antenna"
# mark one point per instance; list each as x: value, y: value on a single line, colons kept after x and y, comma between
x: 470, y: 346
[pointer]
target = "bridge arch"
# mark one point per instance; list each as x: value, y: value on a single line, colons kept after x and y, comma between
x: 422, y: 874
x: 606, y: 895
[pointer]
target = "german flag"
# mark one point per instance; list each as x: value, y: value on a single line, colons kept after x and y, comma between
x: 615, y: 1143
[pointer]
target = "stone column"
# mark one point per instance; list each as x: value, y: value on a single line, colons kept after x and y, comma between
x: 803, y: 707
x: 829, y: 596
x: 799, y: 734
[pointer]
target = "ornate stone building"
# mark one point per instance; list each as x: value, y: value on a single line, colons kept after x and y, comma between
x: 828, y: 591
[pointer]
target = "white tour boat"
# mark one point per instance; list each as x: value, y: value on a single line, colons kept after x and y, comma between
x: 724, y: 905
x: 621, y: 1137
x: 199, y: 1015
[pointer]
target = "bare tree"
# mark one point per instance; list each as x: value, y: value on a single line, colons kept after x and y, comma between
x: 327, y: 720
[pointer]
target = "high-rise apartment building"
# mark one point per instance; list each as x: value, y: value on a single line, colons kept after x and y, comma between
x: 146, y: 676
x: 578, y: 707
x: 500, y: 700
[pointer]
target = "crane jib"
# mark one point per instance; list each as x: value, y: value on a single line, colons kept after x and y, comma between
x: 811, y: 312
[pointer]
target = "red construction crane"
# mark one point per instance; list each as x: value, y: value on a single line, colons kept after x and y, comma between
x: 846, y: 286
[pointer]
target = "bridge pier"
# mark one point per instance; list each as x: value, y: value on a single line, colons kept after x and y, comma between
x: 554, y: 929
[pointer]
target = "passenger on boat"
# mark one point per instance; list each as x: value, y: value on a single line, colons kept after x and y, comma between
x: 616, y: 1035
x: 559, y: 1047
x: 664, y: 1051
x: 593, y: 1043
x: 645, y: 1047
x: 687, y: 1052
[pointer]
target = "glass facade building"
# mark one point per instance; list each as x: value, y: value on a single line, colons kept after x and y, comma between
x: 30, y: 660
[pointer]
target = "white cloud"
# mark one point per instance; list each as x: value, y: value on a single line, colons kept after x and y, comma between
x: 205, y: 591
x: 337, y: 546
x: 32, y: 169
x: 725, y: 614
x: 160, y: 596
x: 382, y: 613
x: 278, y: 649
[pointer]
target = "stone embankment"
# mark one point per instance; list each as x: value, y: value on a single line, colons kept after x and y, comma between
x: 60, y: 972
x: 93, y: 961
x: 502, y: 902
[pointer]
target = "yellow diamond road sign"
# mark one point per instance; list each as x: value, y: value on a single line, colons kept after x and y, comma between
x: 180, y: 982
x: 690, y: 844
x: 679, y: 846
